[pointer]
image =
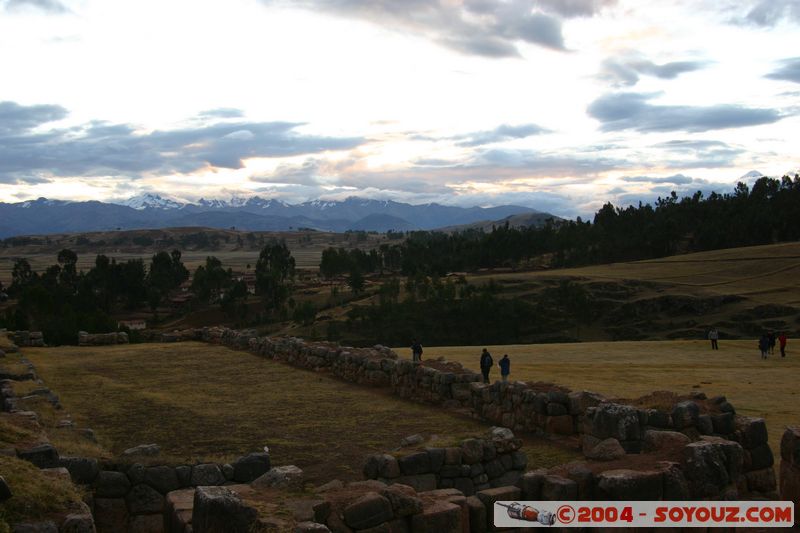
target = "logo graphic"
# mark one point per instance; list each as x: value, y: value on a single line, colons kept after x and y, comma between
x: 527, y: 513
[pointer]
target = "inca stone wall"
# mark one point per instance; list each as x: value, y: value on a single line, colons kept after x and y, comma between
x: 604, y: 429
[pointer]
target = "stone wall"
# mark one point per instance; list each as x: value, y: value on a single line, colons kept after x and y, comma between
x: 471, y: 466
x: 790, y: 469
x: 27, y: 338
x: 102, y: 339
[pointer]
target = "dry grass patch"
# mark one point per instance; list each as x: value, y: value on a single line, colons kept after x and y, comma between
x: 759, y: 388
x: 36, y: 496
x: 204, y: 402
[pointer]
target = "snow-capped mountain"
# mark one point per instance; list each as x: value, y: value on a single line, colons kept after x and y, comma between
x: 150, y: 201
x: 255, y: 213
x: 751, y: 174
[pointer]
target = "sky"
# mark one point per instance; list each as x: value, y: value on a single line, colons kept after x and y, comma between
x: 559, y: 105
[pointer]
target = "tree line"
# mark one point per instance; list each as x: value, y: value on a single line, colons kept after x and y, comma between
x: 61, y: 300
x: 766, y: 213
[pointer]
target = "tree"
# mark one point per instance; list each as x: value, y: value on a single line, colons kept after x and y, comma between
x: 355, y: 280
x: 274, y: 274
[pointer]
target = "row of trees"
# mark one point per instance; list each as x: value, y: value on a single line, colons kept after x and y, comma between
x: 62, y: 300
x: 765, y: 214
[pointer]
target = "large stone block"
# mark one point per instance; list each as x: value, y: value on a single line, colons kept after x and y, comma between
x: 753, y: 431
x: 790, y: 445
x: 415, y: 463
x: 42, y: 456
x: 151, y: 523
x: 761, y: 480
x: 558, y: 488
x: 162, y: 478
x: 381, y: 465
x: 109, y: 513
x: 685, y: 414
x: 438, y: 517
x: 663, y: 440
x: 368, y: 511
x: 705, y: 466
x: 207, y: 475
x: 83, y: 470
x: 559, y: 425
x: 471, y: 451
x: 761, y: 457
x: 250, y: 467
x: 606, y: 450
x: 178, y: 511
x: 144, y: 499
x: 624, y: 484
x: 111, y: 484
x: 790, y: 486
x: 220, y: 510
x: 617, y: 421
x: 723, y: 423
x: 403, y: 499
x: 436, y: 458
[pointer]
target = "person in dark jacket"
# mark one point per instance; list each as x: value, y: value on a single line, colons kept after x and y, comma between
x: 771, y: 338
x: 416, y: 351
x: 763, y: 345
x: 505, y: 367
x: 486, y: 364
x: 782, y: 341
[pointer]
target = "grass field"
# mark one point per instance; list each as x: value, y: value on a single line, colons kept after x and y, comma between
x: 755, y: 387
x: 201, y: 401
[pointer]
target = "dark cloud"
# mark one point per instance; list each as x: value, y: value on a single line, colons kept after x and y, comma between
x: 772, y: 12
x: 99, y: 148
x: 504, y: 132
x: 632, y: 111
x: 700, y: 153
x: 625, y: 70
x: 50, y: 6
x: 15, y: 118
x: 677, y: 179
x: 789, y: 70
x: 474, y: 27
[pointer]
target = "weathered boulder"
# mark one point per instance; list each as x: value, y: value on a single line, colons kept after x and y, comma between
x: 142, y: 450
x: 206, y: 475
x: 42, y: 456
x: 675, y: 487
x: 663, y: 440
x: 471, y: 451
x: 78, y: 522
x: 162, y: 478
x: 624, y: 484
x: 761, y: 480
x: 83, y: 470
x: 753, y: 431
x: 685, y: 414
x: 146, y: 523
x: 420, y: 482
x: 178, y: 510
x: 403, y: 499
x: 220, y: 510
x: 416, y: 463
x: 438, y: 517
x: 606, y: 450
x: 381, y: 465
x: 705, y: 466
x: 368, y: 511
x: 311, y: 527
x: 612, y: 420
x: 109, y: 513
x: 281, y: 477
x: 250, y: 467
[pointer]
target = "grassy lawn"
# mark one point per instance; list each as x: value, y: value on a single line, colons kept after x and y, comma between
x: 199, y: 401
x: 630, y: 369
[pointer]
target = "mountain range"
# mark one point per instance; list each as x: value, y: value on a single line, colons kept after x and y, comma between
x: 43, y: 216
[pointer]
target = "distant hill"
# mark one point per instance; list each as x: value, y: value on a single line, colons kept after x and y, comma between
x: 533, y: 219
x: 44, y: 216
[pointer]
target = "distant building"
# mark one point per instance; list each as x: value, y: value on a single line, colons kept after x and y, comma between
x: 132, y: 324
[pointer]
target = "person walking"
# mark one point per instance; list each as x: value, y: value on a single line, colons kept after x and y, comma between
x: 416, y: 351
x: 713, y: 336
x: 486, y: 364
x: 771, y: 340
x: 782, y: 342
x: 505, y: 368
x: 763, y: 345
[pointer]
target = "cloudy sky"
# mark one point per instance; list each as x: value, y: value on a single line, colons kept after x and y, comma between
x: 559, y: 105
